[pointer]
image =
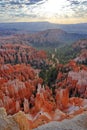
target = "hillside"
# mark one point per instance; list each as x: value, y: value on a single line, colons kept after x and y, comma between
x: 81, y: 45
x: 18, y: 54
x: 54, y: 38
x: 43, y: 39
x: 76, y: 51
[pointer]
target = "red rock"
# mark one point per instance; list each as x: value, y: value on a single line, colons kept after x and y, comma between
x: 26, y: 105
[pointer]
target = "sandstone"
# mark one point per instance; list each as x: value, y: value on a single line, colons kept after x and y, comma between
x: 7, y: 122
x: 21, y: 120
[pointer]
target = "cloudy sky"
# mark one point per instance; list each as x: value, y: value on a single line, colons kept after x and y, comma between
x: 55, y: 11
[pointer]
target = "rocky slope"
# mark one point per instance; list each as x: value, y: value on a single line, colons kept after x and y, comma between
x: 15, y: 122
x: 17, y: 84
x: 21, y: 90
x: 77, y: 123
x: 19, y: 122
x: 81, y: 45
x: 30, y: 104
x: 74, y: 77
x: 17, y: 54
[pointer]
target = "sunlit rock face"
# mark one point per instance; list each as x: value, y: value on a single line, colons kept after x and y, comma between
x: 22, y: 121
x: 30, y: 104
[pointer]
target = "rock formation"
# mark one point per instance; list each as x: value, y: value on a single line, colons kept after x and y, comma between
x: 81, y: 45
x: 29, y: 103
x: 18, y: 54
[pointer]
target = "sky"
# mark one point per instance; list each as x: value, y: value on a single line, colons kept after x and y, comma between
x: 54, y: 11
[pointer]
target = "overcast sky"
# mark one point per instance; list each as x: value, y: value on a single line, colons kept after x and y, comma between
x: 56, y: 11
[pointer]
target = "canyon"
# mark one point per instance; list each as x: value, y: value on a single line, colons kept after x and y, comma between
x: 27, y: 103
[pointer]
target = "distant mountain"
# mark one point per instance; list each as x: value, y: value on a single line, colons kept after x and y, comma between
x: 47, y: 38
x: 54, y: 37
x: 40, y: 26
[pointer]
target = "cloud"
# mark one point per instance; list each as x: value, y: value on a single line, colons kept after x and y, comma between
x: 40, y: 9
x: 35, y: 1
x: 74, y: 2
x: 79, y: 8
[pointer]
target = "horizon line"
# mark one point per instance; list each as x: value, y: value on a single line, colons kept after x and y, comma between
x: 43, y: 22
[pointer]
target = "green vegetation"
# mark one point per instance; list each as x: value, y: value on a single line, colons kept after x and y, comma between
x: 64, y: 54
x: 49, y: 75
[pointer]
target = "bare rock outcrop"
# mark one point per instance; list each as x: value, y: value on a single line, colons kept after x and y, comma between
x: 7, y: 122
x: 77, y: 123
